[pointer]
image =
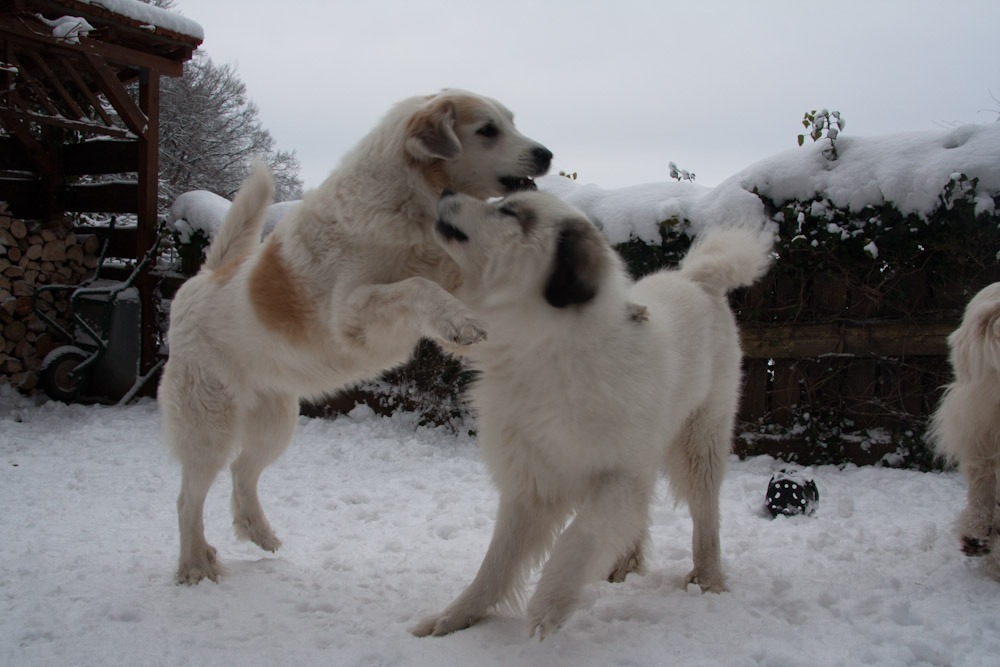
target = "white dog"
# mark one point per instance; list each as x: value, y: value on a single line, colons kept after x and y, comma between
x: 966, y: 425
x: 342, y: 289
x: 584, y: 396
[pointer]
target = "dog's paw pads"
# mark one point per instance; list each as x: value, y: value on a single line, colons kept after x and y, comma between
x: 466, y: 332
x: 972, y: 546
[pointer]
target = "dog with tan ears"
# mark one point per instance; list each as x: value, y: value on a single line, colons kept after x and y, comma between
x: 343, y: 289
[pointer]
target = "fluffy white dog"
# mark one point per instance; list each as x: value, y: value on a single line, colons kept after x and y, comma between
x: 966, y: 425
x: 585, y: 396
x: 343, y: 289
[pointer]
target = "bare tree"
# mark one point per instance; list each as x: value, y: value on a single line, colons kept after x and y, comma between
x: 211, y: 133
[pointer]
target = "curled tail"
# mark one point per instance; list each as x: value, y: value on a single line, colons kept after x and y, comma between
x: 724, y: 259
x: 240, y: 232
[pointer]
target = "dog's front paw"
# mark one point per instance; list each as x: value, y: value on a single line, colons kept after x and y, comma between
x: 625, y: 566
x: 206, y: 566
x: 973, y: 546
x: 547, y: 615
x: 709, y: 583
x: 444, y: 623
x: 462, y: 330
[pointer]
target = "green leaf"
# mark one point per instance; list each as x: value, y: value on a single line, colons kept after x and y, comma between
x: 802, y: 139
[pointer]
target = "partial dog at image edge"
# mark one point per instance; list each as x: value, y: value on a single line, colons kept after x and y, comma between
x: 342, y: 289
x: 966, y: 425
x: 589, y: 387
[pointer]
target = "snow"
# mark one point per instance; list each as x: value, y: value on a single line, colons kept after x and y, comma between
x: 384, y: 521
x: 635, y: 212
x: 203, y: 211
x: 907, y: 169
x: 68, y: 29
x: 154, y: 16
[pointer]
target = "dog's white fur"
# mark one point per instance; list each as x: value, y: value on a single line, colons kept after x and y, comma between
x: 342, y: 289
x: 590, y: 386
x: 966, y: 425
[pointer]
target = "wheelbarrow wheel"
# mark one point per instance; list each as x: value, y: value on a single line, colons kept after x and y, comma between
x: 57, y: 377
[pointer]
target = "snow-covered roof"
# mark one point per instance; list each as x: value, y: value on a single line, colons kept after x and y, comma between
x: 147, y: 17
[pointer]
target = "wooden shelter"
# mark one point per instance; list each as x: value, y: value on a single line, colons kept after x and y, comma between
x: 80, y: 99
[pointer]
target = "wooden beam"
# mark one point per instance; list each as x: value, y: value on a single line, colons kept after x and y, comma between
x: 84, y: 88
x: 118, y: 95
x: 57, y: 85
x: 862, y: 339
x: 33, y: 85
x: 55, y: 121
x: 146, y: 205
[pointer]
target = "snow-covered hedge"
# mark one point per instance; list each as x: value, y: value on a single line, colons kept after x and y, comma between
x: 903, y: 227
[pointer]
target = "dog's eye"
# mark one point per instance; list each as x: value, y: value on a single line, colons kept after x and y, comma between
x: 506, y: 210
x: 488, y: 130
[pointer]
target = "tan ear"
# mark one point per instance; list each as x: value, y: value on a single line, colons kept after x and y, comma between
x: 430, y: 134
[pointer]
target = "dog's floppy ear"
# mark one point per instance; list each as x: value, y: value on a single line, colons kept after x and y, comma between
x: 580, y: 264
x: 430, y: 134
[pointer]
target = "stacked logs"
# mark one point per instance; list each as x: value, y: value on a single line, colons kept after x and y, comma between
x: 31, y: 257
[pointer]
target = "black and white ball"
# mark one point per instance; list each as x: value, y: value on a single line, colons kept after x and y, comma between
x: 790, y: 493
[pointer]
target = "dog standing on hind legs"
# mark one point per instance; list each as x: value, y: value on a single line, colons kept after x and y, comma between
x: 343, y: 288
x: 966, y: 425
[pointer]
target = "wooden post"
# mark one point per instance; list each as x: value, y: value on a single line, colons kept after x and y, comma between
x: 149, y: 175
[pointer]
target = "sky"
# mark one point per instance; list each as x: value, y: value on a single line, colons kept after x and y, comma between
x: 617, y: 90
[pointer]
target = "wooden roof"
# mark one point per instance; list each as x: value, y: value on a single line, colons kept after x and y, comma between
x: 67, y: 113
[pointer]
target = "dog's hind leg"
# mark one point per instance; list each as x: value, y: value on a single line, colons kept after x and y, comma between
x: 607, y: 525
x: 977, y: 524
x: 696, y: 465
x: 522, y: 534
x: 266, y: 430
x: 198, y: 423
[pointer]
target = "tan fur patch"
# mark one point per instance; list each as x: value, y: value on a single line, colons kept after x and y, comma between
x: 436, y: 175
x: 278, y: 301
x: 468, y: 110
x: 224, y: 273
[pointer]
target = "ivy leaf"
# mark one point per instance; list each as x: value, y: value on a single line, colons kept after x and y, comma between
x: 802, y: 139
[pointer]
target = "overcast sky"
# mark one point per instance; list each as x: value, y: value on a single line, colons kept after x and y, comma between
x: 615, y: 89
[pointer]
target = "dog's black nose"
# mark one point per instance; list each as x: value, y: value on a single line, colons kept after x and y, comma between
x: 447, y: 193
x: 542, y: 157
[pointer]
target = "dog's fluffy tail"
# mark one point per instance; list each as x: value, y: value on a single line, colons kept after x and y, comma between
x: 240, y: 232
x: 724, y: 259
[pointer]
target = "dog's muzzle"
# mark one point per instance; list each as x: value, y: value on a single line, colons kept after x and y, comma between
x: 450, y: 232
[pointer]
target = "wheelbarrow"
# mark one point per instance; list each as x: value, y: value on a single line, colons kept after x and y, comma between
x: 100, y: 360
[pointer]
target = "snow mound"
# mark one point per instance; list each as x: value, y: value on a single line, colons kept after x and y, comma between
x: 909, y: 170
x: 203, y: 211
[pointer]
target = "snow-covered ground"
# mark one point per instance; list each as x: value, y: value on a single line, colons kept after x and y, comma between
x: 384, y: 521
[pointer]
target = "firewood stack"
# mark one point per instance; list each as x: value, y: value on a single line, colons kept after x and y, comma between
x: 31, y: 257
